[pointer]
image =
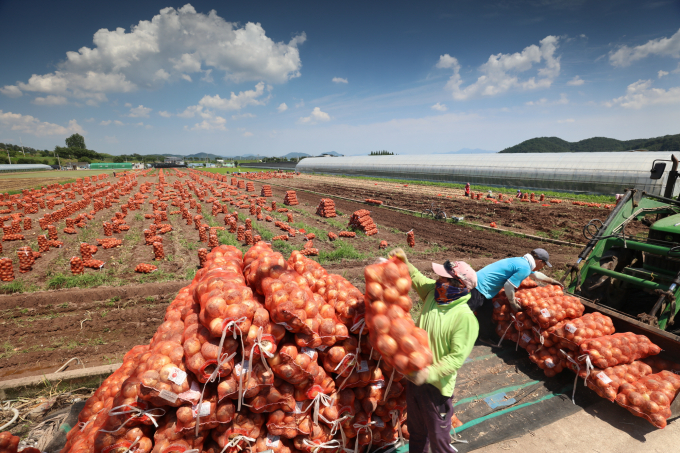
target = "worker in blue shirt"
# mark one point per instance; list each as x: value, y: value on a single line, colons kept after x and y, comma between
x: 506, y: 274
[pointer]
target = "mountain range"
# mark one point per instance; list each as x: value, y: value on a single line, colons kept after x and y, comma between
x: 603, y: 144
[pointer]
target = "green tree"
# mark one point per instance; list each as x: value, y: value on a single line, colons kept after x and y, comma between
x: 118, y: 159
x: 76, y: 141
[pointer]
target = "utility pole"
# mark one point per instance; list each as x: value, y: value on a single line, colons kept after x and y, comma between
x: 22, y: 146
x: 9, y: 158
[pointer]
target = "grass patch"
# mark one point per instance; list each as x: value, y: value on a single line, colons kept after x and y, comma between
x: 14, y: 287
x: 188, y: 275
x: 283, y: 247
x: 343, y: 251
x: 157, y: 276
x: 79, y: 281
x: 6, y: 350
x: 139, y: 217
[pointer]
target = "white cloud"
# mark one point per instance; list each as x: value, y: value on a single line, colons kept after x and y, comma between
x: 12, y: 91
x: 439, y: 107
x: 139, y: 112
x: 499, y: 73
x: 110, y: 140
x: 242, y: 116
x: 128, y: 105
x: 172, y: 45
x: 282, y: 108
x: 576, y: 81
x: 186, y: 77
x: 118, y: 123
x: 165, y: 114
x: 641, y: 93
x: 664, y: 47
x: 447, y: 61
x: 339, y: 80
x: 544, y: 101
x: 31, y: 125
x: 300, y: 104
x: 90, y: 120
x: 235, y: 101
x: 568, y: 120
x: 50, y: 100
x: 247, y: 134
x: 316, y: 116
x: 214, y: 124
x: 105, y: 123
x: 662, y: 73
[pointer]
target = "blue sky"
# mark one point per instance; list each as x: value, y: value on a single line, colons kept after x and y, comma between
x: 276, y: 77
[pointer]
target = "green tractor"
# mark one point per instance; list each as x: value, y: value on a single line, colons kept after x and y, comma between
x: 630, y: 268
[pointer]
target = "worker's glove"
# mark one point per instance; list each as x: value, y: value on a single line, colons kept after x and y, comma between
x: 515, y: 304
x: 419, y: 377
x: 398, y: 253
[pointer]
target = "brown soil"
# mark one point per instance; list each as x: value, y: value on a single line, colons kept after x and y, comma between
x: 558, y: 221
x: 22, y: 183
x: 41, y: 330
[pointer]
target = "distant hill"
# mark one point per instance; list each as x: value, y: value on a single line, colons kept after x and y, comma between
x: 557, y: 145
x: 289, y: 155
x: 332, y: 153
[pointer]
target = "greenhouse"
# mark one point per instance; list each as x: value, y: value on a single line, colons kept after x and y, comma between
x: 14, y: 168
x: 110, y: 165
x: 593, y: 172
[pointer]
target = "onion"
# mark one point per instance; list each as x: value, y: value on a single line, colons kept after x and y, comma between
x: 387, y: 345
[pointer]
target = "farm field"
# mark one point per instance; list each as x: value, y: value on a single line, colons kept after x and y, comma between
x: 48, y: 317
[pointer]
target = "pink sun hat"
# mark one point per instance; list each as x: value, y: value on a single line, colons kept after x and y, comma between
x: 457, y: 269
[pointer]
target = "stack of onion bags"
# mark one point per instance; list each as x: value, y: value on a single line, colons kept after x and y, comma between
x: 557, y: 336
x: 263, y: 353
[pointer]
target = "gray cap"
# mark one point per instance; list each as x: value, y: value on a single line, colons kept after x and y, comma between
x: 542, y: 255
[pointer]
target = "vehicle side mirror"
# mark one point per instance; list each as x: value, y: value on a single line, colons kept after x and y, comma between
x: 657, y: 170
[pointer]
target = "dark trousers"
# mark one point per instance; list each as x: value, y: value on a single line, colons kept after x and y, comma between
x: 429, y: 419
x: 483, y: 309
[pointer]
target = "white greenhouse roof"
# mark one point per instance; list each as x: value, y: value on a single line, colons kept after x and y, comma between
x: 16, y: 167
x: 594, y: 172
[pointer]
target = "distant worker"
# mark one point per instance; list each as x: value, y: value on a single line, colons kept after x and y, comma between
x: 505, y: 274
x: 467, y: 189
x: 519, y: 194
x: 489, y: 195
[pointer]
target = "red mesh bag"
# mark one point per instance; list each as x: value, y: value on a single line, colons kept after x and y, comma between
x: 291, y: 424
x: 650, y: 397
x: 168, y: 438
x: 236, y: 435
x: 571, y: 333
x: 123, y: 439
x: 620, y: 348
x: 549, y: 360
x: 392, y: 330
x: 294, y: 365
x: 606, y: 383
x: 202, y: 351
x: 280, y: 395
x: 227, y: 304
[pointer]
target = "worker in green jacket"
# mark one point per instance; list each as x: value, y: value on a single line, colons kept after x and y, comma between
x: 452, y: 329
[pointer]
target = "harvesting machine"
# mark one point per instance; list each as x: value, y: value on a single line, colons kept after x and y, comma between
x: 630, y: 268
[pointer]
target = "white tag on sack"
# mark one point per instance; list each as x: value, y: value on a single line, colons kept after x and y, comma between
x: 526, y: 338
x: 298, y: 407
x: 177, y: 376
x: 380, y: 384
x: 286, y: 326
x: 379, y: 423
x: 167, y: 395
x: 308, y: 351
x: 496, y: 304
x: 603, y: 378
x: 545, y: 313
x: 363, y: 366
x: 549, y: 363
x: 194, y: 393
x: 272, y: 441
x: 240, y: 370
x: 570, y: 328
x: 322, y: 348
x: 202, y: 410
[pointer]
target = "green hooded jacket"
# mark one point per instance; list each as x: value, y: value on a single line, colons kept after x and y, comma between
x: 452, y: 330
